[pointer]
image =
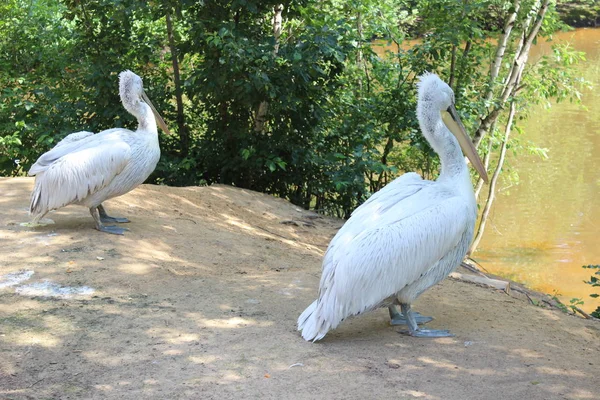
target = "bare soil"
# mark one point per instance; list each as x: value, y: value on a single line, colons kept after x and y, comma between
x: 199, y: 300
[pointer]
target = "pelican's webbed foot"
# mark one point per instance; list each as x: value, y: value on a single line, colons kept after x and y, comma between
x: 398, y: 319
x: 413, y: 328
x: 115, y: 230
x: 429, y: 333
x: 104, y: 217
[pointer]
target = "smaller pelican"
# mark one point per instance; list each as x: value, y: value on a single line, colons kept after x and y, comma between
x: 87, y: 169
x: 408, y: 236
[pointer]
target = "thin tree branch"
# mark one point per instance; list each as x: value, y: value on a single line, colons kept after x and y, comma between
x: 517, y: 67
x: 465, y: 55
x: 493, y: 181
x: 452, y: 67
x: 501, y: 49
x: 263, y: 107
x: 495, y: 67
x: 183, y: 132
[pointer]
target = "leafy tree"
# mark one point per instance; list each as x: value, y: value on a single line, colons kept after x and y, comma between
x: 33, y: 40
x: 313, y: 101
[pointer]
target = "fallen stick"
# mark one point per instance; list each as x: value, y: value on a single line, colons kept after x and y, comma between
x: 472, y: 268
x: 585, y: 315
x: 482, y: 280
x: 473, y: 265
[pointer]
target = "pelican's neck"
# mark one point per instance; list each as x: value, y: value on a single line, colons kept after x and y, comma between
x: 144, y: 115
x: 442, y: 141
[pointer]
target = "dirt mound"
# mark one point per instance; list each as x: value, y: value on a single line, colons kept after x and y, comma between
x: 200, y: 298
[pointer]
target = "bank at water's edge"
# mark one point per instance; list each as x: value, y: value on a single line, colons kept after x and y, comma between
x: 544, y: 228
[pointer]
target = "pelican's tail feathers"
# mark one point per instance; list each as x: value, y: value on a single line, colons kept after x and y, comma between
x: 313, y: 326
x: 36, y: 209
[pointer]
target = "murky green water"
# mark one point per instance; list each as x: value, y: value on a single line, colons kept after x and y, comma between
x: 545, y: 228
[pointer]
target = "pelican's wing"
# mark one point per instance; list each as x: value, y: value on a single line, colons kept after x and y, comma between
x: 70, y: 144
x: 74, y: 137
x: 384, y: 258
x: 76, y: 170
x: 369, y: 213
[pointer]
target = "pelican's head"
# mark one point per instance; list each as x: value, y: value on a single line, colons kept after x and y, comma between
x: 131, y: 90
x: 434, y: 93
x: 131, y: 87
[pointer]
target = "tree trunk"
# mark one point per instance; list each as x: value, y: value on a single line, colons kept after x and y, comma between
x: 452, y: 67
x: 510, y: 86
x: 521, y: 55
x: 263, y: 107
x: 381, y: 180
x: 465, y: 55
x: 184, y: 139
x: 501, y: 49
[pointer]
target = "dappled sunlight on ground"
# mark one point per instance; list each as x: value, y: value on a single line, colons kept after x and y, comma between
x: 526, y: 353
x: 200, y: 298
x: 233, y: 323
x: 36, y: 339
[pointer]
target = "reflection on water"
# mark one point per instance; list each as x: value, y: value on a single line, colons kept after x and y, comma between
x: 545, y: 228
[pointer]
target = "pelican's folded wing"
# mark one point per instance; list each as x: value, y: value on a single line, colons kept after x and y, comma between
x: 381, y: 261
x: 72, y: 143
x: 73, y: 176
x: 369, y: 213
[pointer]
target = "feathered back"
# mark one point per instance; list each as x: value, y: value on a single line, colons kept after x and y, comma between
x: 63, y: 147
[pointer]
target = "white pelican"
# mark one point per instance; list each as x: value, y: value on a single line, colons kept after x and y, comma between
x: 408, y: 236
x: 87, y: 169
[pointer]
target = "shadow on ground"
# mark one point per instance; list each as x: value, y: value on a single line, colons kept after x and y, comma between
x: 199, y: 300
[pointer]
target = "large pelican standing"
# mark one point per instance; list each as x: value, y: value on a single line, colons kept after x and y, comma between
x: 408, y: 236
x: 87, y: 169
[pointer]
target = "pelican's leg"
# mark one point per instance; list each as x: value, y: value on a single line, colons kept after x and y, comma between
x: 104, y: 217
x: 413, y: 328
x: 398, y: 319
x: 115, y: 230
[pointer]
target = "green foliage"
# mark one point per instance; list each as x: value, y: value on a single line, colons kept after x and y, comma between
x: 572, y: 307
x: 594, y: 282
x: 28, y: 72
x: 574, y: 303
x: 339, y: 90
x: 553, y: 77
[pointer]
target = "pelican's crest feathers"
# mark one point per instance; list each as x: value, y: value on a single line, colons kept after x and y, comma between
x: 429, y: 85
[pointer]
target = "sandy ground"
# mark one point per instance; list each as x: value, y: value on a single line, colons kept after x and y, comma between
x: 199, y: 301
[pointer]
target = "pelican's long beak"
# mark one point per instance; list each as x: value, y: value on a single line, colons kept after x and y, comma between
x: 159, y: 120
x: 452, y: 121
